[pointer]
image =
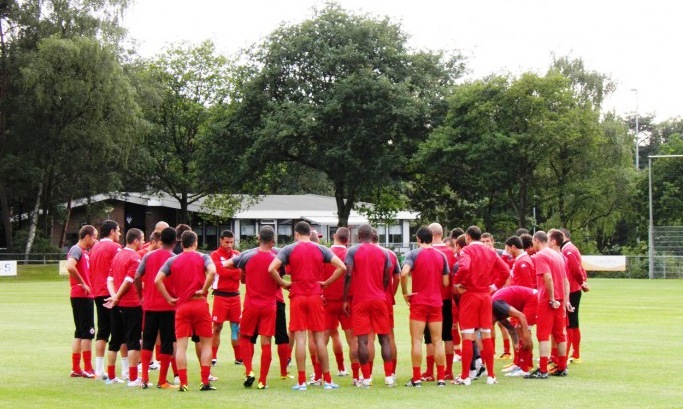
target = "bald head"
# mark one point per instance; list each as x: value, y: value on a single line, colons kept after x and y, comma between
x: 160, y: 226
x: 437, y: 233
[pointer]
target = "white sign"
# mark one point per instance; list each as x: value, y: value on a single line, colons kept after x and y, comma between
x: 62, y: 268
x: 8, y: 268
x: 604, y: 263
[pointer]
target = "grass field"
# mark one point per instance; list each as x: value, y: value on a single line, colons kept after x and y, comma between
x: 631, y: 349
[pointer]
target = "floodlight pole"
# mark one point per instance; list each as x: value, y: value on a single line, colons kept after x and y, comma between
x: 637, y: 152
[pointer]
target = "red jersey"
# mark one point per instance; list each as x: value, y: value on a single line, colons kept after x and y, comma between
x: 123, y: 268
x: 575, y: 272
x: 447, y: 292
x: 101, y: 255
x: 550, y: 261
x: 227, y: 279
x: 480, y: 267
x: 305, y: 260
x: 523, y: 271
x: 151, y: 263
x: 515, y: 296
x: 427, y: 266
x: 335, y: 291
x: 83, y: 266
x: 394, y: 278
x: 261, y: 288
x: 368, y: 263
x: 187, y: 271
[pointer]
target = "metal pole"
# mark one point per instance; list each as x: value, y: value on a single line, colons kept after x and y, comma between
x: 637, y: 150
x: 650, y: 230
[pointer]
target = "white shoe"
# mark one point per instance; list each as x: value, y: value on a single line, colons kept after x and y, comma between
x: 473, y: 374
x: 154, y: 366
x: 518, y: 372
x: 176, y: 380
x: 114, y: 381
x: 136, y: 383
x: 343, y: 373
x: 457, y: 358
x: 460, y: 381
x: 511, y: 368
x: 491, y: 380
x: 389, y: 381
x: 212, y: 378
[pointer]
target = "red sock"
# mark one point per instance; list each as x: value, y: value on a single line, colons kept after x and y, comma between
x: 456, y: 339
x: 487, y: 355
x: 317, y: 371
x: 506, y: 346
x: 388, y: 368
x: 206, y: 371
x: 327, y: 377
x: 111, y: 371
x: 493, y: 343
x: 416, y: 374
x: 449, y: 364
x: 182, y: 374
x: 543, y: 364
x: 458, y: 351
x: 365, y: 369
x: 372, y: 365
x: 467, y: 354
x: 145, y: 357
x: 133, y: 372
x: 214, y: 352
x: 283, y: 355
x: 163, y: 370
x: 524, y: 359
x: 440, y: 372
x: 302, y: 377
x: 76, y: 362
x: 561, y: 363
x: 87, y: 361
x: 247, y: 349
x: 157, y: 352
x: 355, y: 369
x: 394, y: 362
x: 430, y: 366
x: 266, y: 358
x: 238, y: 353
x: 339, y: 356
x: 576, y: 344
x: 174, y: 366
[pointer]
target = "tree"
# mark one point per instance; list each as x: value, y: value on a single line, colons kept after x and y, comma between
x: 340, y: 94
x: 184, y: 91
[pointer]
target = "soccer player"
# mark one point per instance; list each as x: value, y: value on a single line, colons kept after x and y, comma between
x: 488, y: 240
x: 153, y: 243
x: 159, y: 315
x: 519, y: 303
x: 81, y: 294
x: 101, y: 255
x: 306, y: 260
x: 126, y: 306
x: 429, y: 270
x: 553, y: 290
x: 260, y: 309
x: 481, y: 271
x: 179, y: 230
x: 368, y: 269
x: 523, y: 272
x: 577, y: 284
x: 226, y: 297
x: 191, y: 274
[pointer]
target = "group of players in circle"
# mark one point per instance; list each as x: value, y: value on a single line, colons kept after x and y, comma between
x: 460, y: 287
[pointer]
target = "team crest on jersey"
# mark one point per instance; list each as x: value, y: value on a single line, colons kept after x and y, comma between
x: 92, y: 331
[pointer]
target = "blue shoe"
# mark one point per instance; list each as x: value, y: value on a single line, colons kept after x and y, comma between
x: 330, y: 385
x: 299, y: 387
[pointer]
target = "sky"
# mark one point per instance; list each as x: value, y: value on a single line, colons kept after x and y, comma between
x: 637, y: 43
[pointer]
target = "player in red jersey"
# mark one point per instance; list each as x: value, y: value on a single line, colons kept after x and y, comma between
x: 259, y: 314
x: 368, y: 270
x: 488, y: 240
x: 126, y: 306
x: 101, y: 255
x: 191, y: 274
x: 481, y: 271
x: 553, y: 294
x: 306, y: 260
x: 458, y: 237
x: 523, y: 272
x: 429, y: 270
x: 519, y: 303
x: 577, y: 284
x: 159, y: 315
x: 81, y: 295
x: 153, y: 243
x: 226, y: 297
x: 334, y: 312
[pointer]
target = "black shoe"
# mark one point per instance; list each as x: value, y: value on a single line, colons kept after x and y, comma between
x: 249, y: 380
x: 239, y: 362
x: 481, y: 371
x: 207, y: 387
x: 414, y: 384
x: 537, y: 374
x: 560, y: 373
x: 213, y: 362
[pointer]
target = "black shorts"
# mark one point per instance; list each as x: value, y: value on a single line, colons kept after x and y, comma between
x: 83, y: 310
x: 103, y: 320
x: 160, y: 323
x: 281, y: 334
x: 501, y: 310
x: 574, y: 300
x: 447, y: 314
x: 126, y: 327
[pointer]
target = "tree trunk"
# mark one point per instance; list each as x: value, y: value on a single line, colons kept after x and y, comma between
x: 62, y: 238
x: 33, y: 225
x: 344, y: 207
x: 4, y: 201
x: 184, y: 214
x: 6, y: 221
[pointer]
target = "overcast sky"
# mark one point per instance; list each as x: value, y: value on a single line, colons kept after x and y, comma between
x: 638, y: 43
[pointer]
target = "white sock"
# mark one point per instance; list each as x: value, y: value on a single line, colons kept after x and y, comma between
x: 99, y: 366
x: 125, y: 368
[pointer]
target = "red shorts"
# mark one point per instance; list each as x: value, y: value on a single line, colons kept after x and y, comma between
x: 258, y: 318
x: 551, y: 321
x: 192, y: 318
x: 306, y: 312
x: 334, y: 315
x: 390, y: 310
x: 226, y: 309
x: 425, y: 313
x: 456, y: 312
x: 530, y: 309
x: 370, y: 316
x: 475, y: 311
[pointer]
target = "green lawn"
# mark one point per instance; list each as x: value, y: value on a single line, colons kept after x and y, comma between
x: 632, y: 343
